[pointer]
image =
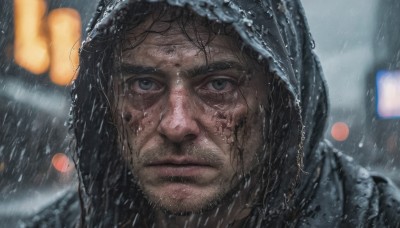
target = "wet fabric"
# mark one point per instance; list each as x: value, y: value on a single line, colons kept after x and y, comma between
x: 332, y: 191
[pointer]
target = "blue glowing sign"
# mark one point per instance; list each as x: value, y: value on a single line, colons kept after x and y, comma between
x: 388, y: 94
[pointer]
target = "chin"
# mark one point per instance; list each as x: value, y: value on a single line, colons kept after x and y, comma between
x: 197, y: 202
x: 185, y: 204
x: 187, y: 208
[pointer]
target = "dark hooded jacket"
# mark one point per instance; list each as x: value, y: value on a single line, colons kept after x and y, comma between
x: 318, y: 186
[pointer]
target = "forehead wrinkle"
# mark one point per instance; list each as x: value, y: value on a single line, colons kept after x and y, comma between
x: 164, y: 65
x: 154, y: 50
x: 170, y: 33
x: 159, y: 49
x: 220, y: 42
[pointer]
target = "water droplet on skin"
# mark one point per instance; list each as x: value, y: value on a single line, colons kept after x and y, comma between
x: 139, y: 129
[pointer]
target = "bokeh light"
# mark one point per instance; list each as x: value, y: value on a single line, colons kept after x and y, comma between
x: 62, y: 163
x: 65, y: 33
x: 31, y: 44
x: 340, y: 131
x: 43, y: 42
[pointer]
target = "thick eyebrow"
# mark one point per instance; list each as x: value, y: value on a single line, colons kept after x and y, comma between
x: 196, y: 71
x: 215, y: 67
x: 137, y: 69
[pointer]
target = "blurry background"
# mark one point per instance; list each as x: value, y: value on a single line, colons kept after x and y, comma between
x: 357, y: 41
x: 39, y: 42
x: 359, y: 48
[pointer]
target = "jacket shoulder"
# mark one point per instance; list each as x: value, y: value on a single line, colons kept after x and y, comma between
x: 377, y: 196
x: 388, y: 202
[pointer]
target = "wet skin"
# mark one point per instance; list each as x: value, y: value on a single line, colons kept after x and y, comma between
x: 181, y: 119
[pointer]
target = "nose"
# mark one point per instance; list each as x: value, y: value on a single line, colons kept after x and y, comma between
x: 178, y: 122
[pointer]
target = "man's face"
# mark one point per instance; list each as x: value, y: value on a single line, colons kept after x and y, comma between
x: 189, y: 128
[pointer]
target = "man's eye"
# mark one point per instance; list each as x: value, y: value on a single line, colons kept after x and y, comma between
x: 145, y: 84
x: 220, y: 84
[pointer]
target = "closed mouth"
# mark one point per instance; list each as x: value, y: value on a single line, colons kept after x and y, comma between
x: 179, y: 162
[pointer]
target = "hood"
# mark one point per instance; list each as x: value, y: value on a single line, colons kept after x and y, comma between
x: 275, y: 29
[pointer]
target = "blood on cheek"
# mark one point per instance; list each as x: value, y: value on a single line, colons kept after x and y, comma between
x: 224, y: 125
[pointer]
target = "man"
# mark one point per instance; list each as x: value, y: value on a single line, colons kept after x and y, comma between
x: 209, y: 114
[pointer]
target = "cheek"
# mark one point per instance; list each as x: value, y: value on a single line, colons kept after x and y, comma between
x: 131, y: 123
x: 227, y: 122
x: 138, y: 121
x: 241, y: 129
x: 252, y: 136
x: 137, y: 127
x: 224, y: 122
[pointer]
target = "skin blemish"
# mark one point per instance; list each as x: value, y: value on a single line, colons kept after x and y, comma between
x: 170, y: 50
x: 127, y: 116
x: 134, y: 125
x: 221, y: 115
x: 224, y: 122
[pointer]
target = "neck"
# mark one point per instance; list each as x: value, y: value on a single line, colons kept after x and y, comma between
x: 231, y: 212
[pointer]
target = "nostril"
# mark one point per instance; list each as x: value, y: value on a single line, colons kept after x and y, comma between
x: 177, y: 139
x: 185, y: 130
x: 189, y: 137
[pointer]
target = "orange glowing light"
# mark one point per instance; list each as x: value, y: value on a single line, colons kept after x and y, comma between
x: 64, y: 31
x: 61, y: 163
x: 340, y: 131
x: 30, y: 46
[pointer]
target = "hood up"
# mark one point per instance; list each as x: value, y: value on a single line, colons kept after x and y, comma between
x: 275, y: 29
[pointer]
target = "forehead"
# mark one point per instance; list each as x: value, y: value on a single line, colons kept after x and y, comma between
x: 161, y: 36
x: 174, y: 21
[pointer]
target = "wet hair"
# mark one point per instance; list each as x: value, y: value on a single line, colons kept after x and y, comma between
x: 185, y: 19
x: 107, y: 184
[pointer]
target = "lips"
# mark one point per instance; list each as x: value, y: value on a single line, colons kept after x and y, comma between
x: 179, y: 167
x: 179, y: 161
